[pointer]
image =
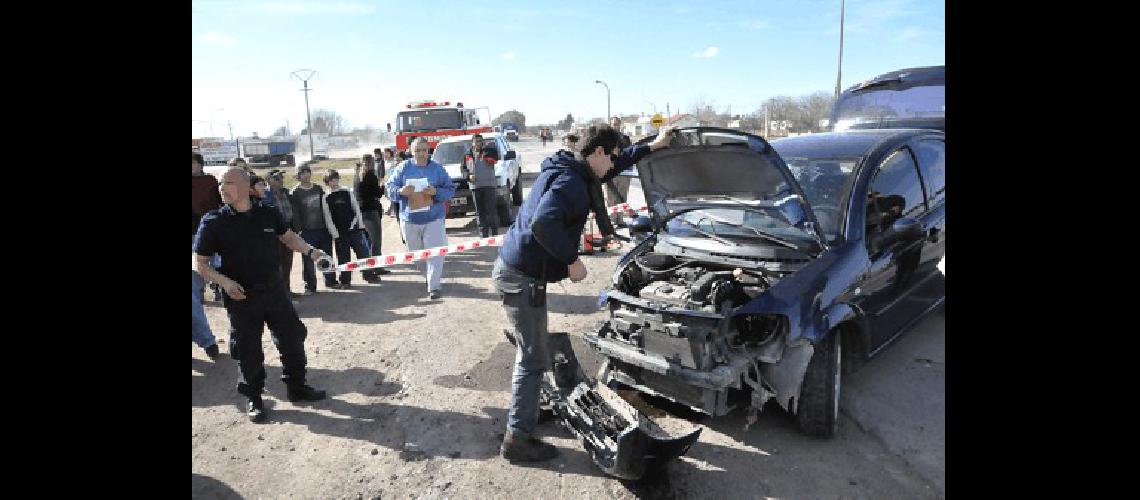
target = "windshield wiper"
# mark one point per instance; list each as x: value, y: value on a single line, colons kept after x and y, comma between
x: 763, y: 234
x: 696, y: 227
x: 750, y: 208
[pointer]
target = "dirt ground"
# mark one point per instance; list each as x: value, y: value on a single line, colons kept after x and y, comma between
x: 419, y: 390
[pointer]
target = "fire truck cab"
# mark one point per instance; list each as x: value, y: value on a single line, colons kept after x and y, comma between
x: 436, y: 120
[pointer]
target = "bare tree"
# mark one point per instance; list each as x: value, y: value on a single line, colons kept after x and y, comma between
x: 328, y: 122
x: 812, y: 109
x: 511, y: 116
x: 566, y: 123
x: 704, y: 111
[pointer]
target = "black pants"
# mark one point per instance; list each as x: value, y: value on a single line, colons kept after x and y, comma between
x: 265, y: 305
x: 352, y: 241
x: 486, y: 209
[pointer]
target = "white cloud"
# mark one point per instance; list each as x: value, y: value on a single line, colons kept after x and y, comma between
x: 216, y: 38
x: 876, y: 16
x: 755, y: 25
x: 507, y: 56
x: 909, y: 33
x: 707, y: 53
x: 303, y: 7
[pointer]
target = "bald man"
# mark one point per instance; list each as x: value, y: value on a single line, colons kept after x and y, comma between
x: 247, y: 235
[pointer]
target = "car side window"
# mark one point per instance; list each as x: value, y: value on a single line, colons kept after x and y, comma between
x: 932, y: 163
x: 895, y: 193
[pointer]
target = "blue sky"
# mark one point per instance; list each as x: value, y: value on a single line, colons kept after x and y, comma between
x: 540, y: 58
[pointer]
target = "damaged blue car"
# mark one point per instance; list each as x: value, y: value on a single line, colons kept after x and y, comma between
x: 767, y: 270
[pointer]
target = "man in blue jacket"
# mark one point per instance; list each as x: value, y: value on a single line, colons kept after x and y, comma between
x: 542, y: 247
x: 421, y: 185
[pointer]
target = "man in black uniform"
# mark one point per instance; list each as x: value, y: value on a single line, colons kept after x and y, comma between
x: 246, y: 234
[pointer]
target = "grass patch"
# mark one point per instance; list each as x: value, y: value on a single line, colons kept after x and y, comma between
x: 320, y: 168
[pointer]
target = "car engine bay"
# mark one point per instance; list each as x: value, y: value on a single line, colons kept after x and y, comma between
x: 672, y: 308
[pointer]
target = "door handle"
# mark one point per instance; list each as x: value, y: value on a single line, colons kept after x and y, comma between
x: 934, y: 232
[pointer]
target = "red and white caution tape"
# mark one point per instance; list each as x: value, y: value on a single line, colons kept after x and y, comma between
x: 417, y: 255
x: 427, y: 253
x: 621, y: 207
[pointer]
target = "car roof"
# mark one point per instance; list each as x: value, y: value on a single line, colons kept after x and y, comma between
x: 922, y: 75
x: 856, y: 142
x: 460, y: 138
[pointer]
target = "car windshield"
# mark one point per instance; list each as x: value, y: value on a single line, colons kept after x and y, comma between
x: 825, y: 182
x: 452, y: 152
x: 879, y: 106
x: 782, y: 219
x: 428, y: 120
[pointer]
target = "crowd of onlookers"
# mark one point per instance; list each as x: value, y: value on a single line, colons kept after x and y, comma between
x: 337, y: 219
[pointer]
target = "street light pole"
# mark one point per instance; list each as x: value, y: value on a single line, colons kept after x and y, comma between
x: 607, y: 99
x: 839, y: 73
x: 304, y: 75
x: 654, y: 106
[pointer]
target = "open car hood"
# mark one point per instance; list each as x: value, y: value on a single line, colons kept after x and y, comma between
x: 715, y: 165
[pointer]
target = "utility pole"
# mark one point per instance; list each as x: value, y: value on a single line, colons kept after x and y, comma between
x: 667, y: 112
x: 236, y: 145
x: 839, y: 74
x: 765, y: 121
x: 304, y: 75
x: 607, y: 99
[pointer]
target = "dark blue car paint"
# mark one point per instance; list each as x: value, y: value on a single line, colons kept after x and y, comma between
x: 825, y: 294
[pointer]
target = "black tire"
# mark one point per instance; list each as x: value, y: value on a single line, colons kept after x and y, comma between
x: 504, y: 207
x: 516, y: 192
x: 817, y: 410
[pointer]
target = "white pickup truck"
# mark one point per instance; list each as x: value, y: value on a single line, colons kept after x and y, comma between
x: 450, y: 153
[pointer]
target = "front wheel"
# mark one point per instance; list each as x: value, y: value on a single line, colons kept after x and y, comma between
x: 817, y: 410
x: 516, y: 192
x: 504, y: 209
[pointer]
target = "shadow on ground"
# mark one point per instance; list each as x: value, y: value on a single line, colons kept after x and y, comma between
x: 208, y: 487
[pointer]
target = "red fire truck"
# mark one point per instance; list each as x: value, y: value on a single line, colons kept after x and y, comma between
x: 435, y: 120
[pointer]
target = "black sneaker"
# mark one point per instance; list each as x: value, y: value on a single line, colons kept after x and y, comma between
x: 304, y: 393
x: 256, y: 410
x: 526, y: 449
x: 381, y: 271
x: 212, y: 351
x: 434, y: 295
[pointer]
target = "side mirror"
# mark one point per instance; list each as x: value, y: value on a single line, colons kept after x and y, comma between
x: 510, y: 155
x: 903, y: 230
x: 640, y: 224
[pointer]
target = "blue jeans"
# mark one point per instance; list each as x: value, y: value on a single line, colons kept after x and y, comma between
x: 200, y: 328
x: 533, y: 356
x: 356, y: 241
x: 321, y: 239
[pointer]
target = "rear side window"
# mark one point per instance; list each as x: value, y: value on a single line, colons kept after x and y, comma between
x: 895, y: 192
x: 932, y: 163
